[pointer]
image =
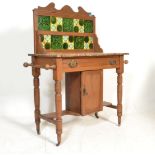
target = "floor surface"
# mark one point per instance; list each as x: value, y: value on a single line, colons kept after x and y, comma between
x: 81, y: 135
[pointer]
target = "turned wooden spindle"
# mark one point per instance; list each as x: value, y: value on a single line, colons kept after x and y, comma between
x: 58, y: 100
x: 36, y: 74
x: 57, y: 76
x: 119, y: 95
x: 47, y: 66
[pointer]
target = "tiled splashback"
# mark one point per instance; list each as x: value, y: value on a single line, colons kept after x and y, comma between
x: 59, y: 24
x: 56, y: 42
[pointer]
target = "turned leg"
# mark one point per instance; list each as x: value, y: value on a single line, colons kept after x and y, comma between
x: 119, y: 95
x: 96, y: 115
x: 58, y: 102
x: 36, y: 73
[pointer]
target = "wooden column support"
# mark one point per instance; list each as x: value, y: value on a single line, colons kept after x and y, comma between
x: 57, y: 76
x: 36, y: 74
x: 119, y: 72
x: 119, y: 96
x: 58, y: 102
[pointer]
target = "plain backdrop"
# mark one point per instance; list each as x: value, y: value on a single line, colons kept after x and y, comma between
x: 122, y: 26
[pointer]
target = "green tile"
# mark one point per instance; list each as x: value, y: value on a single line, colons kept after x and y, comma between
x: 76, y: 29
x: 59, y: 28
x: 81, y: 22
x: 91, y: 45
x: 44, y: 22
x: 67, y: 25
x: 78, y: 42
x: 53, y: 20
x: 88, y: 26
x: 56, y: 42
x: 47, y: 45
x: 42, y: 38
x: 65, y: 46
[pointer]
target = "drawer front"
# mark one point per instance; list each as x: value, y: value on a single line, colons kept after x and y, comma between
x: 90, y: 63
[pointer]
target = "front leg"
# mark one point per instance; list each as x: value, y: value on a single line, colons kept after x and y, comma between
x: 119, y: 95
x: 36, y: 74
x: 58, y: 102
x: 57, y: 76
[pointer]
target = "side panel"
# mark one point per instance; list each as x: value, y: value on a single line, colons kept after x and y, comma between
x: 73, y: 87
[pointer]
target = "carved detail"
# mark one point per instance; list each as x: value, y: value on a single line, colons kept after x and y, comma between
x: 50, y: 8
x: 72, y: 64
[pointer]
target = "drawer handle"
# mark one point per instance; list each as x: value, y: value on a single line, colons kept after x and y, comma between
x: 72, y: 64
x: 112, y: 62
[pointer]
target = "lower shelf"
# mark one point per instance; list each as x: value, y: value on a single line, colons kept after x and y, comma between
x: 51, y: 117
x: 110, y: 105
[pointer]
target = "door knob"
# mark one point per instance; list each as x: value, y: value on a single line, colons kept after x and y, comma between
x: 84, y: 92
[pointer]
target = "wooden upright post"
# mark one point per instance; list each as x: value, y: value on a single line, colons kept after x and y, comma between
x: 119, y: 90
x: 36, y: 74
x: 57, y: 76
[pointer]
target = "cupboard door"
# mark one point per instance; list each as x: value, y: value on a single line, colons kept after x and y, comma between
x: 91, y: 91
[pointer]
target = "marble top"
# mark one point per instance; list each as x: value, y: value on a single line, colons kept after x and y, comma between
x: 66, y: 55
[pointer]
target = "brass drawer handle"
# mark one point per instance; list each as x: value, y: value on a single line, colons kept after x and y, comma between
x: 72, y: 64
x: 112, y: 62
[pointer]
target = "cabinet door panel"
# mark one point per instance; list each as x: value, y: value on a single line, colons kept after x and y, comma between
x: 92, y: 90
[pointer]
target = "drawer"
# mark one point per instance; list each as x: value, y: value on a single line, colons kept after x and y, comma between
x: 79, y: 64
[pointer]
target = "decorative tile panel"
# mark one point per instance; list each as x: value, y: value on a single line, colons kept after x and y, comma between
x: 59, y: 24
x: 56, y: 42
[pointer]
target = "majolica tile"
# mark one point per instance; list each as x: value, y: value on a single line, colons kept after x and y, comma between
x: 44, y: 23
x: 56, y: 24
x: 56, y: 42
x: 68, y: 43
x: 67, y: 25
x: 78, y: 25
x: 46, y: 41
x: 78, y: 42
x: 88, y: 43
x: 53, y: 27
x: 88, y: 26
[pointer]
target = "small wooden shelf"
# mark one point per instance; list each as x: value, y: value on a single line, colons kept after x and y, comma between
x: 109, y: 104
x: 51, y: 117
